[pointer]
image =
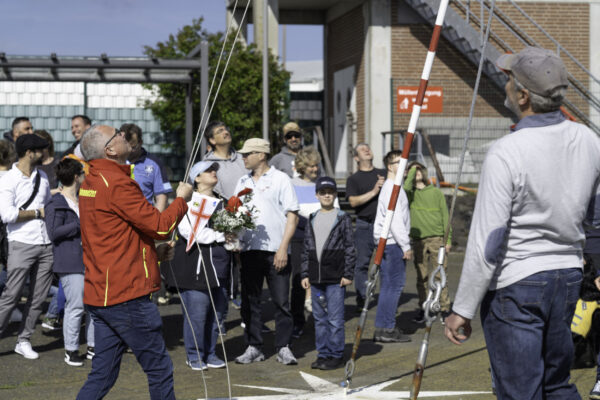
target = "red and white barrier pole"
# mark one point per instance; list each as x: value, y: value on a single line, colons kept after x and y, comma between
x: 412, y: 126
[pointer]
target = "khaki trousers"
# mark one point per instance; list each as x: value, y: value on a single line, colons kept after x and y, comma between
x: 426, y: 254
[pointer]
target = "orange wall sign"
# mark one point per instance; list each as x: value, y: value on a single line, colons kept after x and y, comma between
x: 432, y: 103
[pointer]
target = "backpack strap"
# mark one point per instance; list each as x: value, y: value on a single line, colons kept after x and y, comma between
x: 36, y: 187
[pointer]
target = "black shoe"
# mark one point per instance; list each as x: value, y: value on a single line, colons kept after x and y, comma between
x: 318, y: 363
x: 90, y: 353
x: 394, y: 335
x: 333, y: 363
x: 297, y: 332
x: 73, y: 358
x: 420, y: 318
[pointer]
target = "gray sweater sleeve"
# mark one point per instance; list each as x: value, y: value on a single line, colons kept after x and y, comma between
x: 487, y: 236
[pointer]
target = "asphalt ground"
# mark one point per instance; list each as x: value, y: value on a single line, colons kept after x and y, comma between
x: 382, y: 371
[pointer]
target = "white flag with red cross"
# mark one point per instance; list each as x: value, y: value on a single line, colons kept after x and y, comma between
x: 200, y: 211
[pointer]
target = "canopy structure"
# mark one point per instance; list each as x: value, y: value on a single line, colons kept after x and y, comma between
x: 114, y: 70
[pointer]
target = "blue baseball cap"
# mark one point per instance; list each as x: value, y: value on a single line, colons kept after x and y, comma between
x: 200, y: 167
x: 325, y: 182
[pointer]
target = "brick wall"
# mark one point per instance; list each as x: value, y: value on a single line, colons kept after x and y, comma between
x: 567, y: 23
x: 345, y: 45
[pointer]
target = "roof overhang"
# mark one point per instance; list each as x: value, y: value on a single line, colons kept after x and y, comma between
x: 97, y: 69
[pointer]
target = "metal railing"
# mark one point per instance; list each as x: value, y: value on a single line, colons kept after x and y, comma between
x: 578, y: 87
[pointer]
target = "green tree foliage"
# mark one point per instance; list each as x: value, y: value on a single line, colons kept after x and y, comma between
x: 239, y: 103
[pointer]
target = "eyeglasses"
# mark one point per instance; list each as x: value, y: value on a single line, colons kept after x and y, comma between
x: 245, y: 155
x: 290, y: 135
x: 117, y: 132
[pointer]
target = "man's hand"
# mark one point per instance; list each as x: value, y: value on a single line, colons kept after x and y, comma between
x: 378, y: 184
x: 408, y: 255
x: 448, y: 247
x: 345, y: 282
x: 185, y: 190
x: 165, y: 251
x: 454, y: 323
x: 280, y: 259
x: 305, y: 284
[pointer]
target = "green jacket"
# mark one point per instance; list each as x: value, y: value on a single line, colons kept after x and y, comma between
x: 428, y: 210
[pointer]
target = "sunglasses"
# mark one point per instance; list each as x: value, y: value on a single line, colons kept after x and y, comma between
x: 290, y: 135
x: 117, y: 132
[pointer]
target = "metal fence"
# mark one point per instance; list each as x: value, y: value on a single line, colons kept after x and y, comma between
x: 50, y: 106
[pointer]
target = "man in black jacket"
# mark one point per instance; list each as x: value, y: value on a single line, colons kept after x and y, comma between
x: 20, y: 126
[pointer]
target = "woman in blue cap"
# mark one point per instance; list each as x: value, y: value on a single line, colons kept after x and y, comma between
x: 200, y: 277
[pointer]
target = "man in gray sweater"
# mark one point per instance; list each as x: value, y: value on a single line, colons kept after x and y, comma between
x: 231, y: 165
x: 524, y: 254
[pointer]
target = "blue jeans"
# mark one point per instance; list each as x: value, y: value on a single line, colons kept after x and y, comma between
x: 135, y: 323
x: 392, y: 277
x: 57, y: 302
x: 72, y: 285
x: 528, y: 336
x: 328, y: 312
x: 203, y: 323
x: 365, y: 244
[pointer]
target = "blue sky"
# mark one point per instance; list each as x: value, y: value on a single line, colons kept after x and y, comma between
x: 120, y: 27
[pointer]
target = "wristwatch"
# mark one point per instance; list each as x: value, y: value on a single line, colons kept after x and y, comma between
x: 38, y: 214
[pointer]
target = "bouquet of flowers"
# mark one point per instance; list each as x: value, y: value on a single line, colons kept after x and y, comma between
x: 235, y: 217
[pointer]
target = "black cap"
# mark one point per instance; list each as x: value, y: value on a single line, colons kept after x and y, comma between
x: 324, y: 182
x: 30, y: 141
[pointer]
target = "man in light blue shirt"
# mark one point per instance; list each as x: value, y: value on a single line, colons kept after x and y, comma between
x: 147, y: 172
x: 265, y: 251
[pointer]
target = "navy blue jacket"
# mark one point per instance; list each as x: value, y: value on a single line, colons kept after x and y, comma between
x: 63, y: 229
x: 338, y: 256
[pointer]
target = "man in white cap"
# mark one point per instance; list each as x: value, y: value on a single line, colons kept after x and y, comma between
x: 524, y: 254
x: 265, y: 251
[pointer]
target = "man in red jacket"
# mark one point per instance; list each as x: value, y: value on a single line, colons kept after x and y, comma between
x: 118, y: 229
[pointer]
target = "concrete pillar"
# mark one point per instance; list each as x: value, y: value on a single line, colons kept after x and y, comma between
x: 273, y: 24
x: 378, y: 72
x: 234, y: 18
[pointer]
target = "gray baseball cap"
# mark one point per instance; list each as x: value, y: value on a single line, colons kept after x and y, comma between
x: 539, y: 70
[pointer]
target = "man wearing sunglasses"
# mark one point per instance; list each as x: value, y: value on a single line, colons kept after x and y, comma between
x: 284, y: 160
x: 118, y: 230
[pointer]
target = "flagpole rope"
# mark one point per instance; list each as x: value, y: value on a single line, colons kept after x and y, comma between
x: 197, y: 142
x: 204, y: 121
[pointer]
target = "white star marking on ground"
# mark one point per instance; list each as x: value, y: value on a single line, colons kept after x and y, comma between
x: 322, y: 389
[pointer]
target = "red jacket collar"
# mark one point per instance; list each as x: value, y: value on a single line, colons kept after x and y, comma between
x: 104, y: 164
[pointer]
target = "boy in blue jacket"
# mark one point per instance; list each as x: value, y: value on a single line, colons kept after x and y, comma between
x: 328, y: 260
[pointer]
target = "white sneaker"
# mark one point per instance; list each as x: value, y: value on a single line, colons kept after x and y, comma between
x: 24, y: 349
x: 286, y: 357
